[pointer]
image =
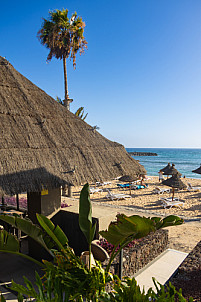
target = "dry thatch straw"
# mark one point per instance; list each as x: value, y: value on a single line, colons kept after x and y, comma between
x: 166, y: 168
x: 43, y: 144
x: 174, y: 182
x: 171, y: 171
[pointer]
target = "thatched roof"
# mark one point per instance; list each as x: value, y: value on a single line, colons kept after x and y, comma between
x: 198, y: 170
x: 166, y: 168
x: 171, y: 171
x: 174, y: 182
x: 40, y: 138
x: 128, y: 178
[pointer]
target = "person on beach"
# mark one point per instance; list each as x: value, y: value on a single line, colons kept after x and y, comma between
x: 160, y: 175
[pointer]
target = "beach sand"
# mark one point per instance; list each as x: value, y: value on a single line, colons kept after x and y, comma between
x: 145, y: 202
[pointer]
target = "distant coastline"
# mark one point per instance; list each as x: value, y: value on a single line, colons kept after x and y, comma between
x: 143, y: 153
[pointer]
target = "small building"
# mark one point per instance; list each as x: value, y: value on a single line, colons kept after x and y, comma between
x: 45, y: 146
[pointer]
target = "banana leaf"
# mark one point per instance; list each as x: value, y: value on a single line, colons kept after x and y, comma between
x: 85, y: 214
x: 170, y: 220
x: 8, y: 242
x: 135, y: 227
x: 55, y: 233
x: 30, y: 229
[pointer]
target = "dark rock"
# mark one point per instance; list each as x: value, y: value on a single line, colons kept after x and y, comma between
x: 143, y: 153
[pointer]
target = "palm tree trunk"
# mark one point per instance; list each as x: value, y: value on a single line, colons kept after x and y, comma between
x: 66, y: 102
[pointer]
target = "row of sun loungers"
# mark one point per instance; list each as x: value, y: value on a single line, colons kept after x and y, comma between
x: 166, y: 202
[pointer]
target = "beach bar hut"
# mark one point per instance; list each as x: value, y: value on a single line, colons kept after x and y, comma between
x: 43, y: 146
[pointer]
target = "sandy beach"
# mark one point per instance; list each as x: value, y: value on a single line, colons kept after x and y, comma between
x: 146, y: 202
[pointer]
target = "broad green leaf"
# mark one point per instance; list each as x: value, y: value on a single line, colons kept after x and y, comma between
x: 55, y: 233
x: 27, y: 227
x: 8, y: 242
x: 135, y: 227
x: 170, y: 221
x: 85, y: 214
x: 92, y: 234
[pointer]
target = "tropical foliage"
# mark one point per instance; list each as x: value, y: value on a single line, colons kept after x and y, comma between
x: 64, y: 38
x: 80, y: 113
x: 67, y: 278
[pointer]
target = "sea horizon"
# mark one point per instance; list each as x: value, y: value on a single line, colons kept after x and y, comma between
x: 185, y: 160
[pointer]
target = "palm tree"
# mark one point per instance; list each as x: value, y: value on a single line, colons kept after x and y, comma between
x: 64, y: 38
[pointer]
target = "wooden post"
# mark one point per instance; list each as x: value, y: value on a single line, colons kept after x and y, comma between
x: 17, y: 201
x: 69, y: 191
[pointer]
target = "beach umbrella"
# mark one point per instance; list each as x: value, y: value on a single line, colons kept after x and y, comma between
x: 198, y: 170
x: 174, y: 182
x: 166, y: 168
x: 129, y: 178
x: 172, y: 171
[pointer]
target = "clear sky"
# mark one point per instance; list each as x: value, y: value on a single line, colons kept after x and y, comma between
x: 139, y: 80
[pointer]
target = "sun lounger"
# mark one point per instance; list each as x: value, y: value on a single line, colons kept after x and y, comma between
x: 100, y: 184
x: 190, y: 188
x: 161, y: 191
x: 167, y: 203
x: 112, y: 196
x: 94, y: 190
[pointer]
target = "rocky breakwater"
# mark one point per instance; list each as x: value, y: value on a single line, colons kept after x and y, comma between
x: 143, y: 153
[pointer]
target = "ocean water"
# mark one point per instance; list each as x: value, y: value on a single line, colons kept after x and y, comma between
x: 185, y: 160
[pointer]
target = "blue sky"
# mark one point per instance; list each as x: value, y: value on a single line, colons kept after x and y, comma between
x: 139, y: 80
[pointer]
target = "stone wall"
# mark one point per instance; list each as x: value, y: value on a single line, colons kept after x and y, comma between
x: 144, y: 251
x: 188, y: 275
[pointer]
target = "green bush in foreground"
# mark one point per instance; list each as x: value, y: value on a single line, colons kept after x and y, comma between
x: 67, y: 278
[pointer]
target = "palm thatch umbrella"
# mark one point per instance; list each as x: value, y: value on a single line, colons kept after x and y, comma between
x: 198, y: 170
x: 166, y: 168
x: 172, y: 171
x: 174, y: 182
x: 43, y: 144
x: 129, y: 178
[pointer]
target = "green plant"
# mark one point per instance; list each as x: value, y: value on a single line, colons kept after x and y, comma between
x: 126, y: 229
x: 85, y: 217
x: 67, y: 278
x: 80, y: 113
x: 128, y: 290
